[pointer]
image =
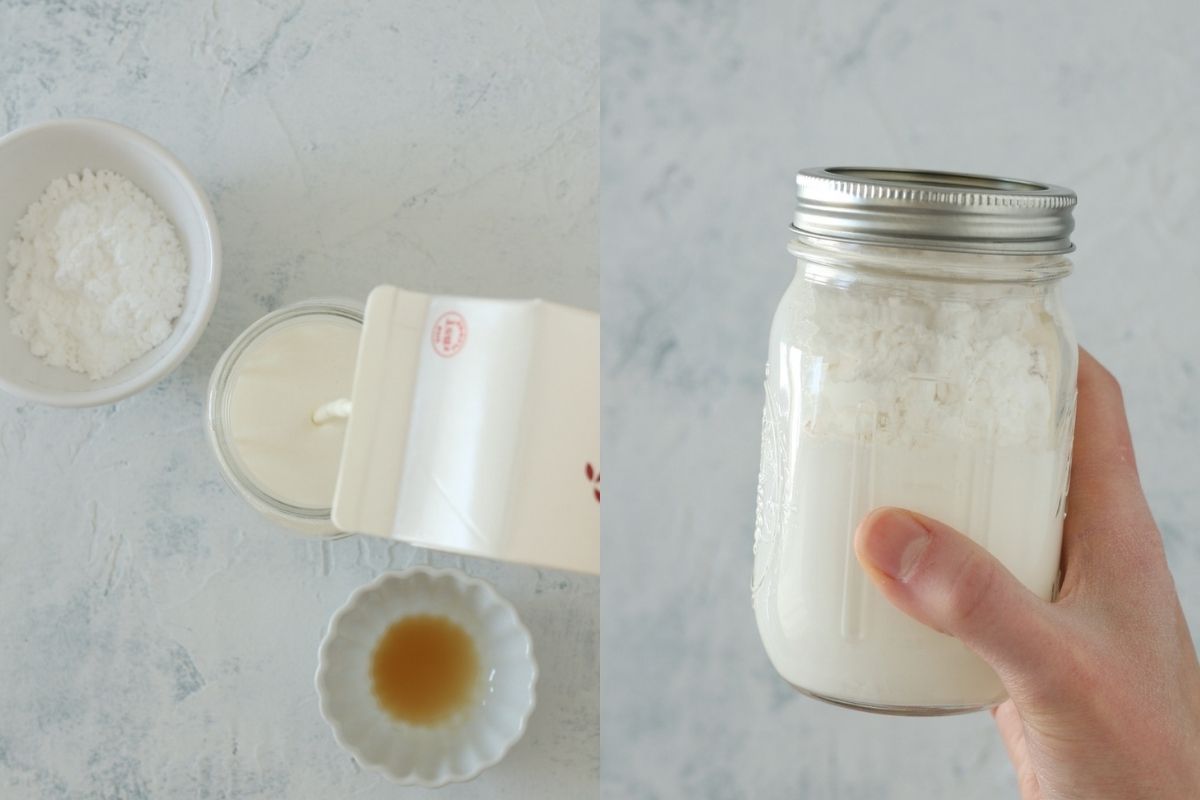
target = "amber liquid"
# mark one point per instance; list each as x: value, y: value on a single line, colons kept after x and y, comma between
x: 424, y: 670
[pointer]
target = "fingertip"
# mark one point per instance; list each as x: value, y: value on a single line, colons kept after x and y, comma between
x: 869, y: 523
x: 890, y: 541
x: 1103, y: 462
x: 866, y: 531
x: 1093, y: 375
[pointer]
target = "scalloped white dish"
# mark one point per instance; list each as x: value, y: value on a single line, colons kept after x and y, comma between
x: 478, y: 737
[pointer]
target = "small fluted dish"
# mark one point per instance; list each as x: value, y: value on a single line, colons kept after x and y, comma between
x: 474, y: 740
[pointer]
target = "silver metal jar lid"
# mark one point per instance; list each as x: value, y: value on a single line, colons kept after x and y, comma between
x: 934, y: 210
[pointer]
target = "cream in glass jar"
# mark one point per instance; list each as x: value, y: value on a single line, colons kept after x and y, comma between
x: 277, y: 409
x: 920, y: 358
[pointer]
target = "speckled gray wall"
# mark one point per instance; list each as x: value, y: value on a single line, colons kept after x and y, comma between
x: 709, y: 108
x: 158, y: 639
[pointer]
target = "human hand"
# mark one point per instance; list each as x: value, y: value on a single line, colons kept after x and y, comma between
x: 1104, y: 683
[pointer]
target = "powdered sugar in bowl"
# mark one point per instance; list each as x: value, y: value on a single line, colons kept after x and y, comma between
x: 30, y: 160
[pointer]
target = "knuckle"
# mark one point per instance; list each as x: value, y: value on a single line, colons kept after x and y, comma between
x: 971, y: 592
x: 1100, y: 376
x: 1074, y: 672
x: 1110, y: 382
x: 1078, y: 666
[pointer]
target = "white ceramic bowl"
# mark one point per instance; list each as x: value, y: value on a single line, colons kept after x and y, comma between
x: 30, y: 158
x: 428, y: 756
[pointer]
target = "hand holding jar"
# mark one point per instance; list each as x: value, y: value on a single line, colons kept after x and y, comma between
x: 1104, y: 681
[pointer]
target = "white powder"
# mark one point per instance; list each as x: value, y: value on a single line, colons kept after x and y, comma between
x: 98, y: 275
x: 929, y: 368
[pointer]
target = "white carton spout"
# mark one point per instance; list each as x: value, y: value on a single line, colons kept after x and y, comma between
x: 476, y: 429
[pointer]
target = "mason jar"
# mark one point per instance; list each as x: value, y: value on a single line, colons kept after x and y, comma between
x: 265, y: 397
x: 920, y: 358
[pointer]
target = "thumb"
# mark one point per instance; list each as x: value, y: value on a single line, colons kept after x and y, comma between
x: 940, y: 577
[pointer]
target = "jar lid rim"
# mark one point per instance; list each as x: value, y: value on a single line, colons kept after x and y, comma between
x: 934, y: 209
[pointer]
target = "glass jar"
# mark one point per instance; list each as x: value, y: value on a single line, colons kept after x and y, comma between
x: 262, y: 399
x: 920, y: 358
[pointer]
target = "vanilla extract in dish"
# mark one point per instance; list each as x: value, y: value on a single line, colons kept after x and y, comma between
x: 425, y: 670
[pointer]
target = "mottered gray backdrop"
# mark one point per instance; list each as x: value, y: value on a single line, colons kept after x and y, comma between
x: 708, y: 109
x: 158, y: 638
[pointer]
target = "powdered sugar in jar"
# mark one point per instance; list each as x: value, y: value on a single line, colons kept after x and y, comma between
x: 921, y: 358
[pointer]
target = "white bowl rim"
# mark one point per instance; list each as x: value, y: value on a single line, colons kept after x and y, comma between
x: 142, y: 380
x: 411, y: 779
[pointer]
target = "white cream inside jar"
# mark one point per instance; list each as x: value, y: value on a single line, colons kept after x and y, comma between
x: 278, y: 403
